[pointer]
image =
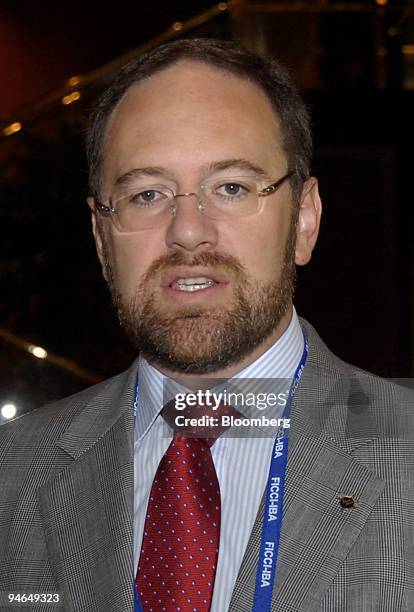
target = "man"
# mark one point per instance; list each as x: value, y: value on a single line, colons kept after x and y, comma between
x: 202, y: 204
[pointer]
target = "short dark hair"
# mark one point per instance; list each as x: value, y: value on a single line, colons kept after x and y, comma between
x: 267, y: 73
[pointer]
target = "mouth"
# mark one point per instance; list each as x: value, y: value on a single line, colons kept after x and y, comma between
x: 188, y: 281
x: 192, y: 284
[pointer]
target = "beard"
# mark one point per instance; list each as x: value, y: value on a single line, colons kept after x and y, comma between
x: 200, y: 339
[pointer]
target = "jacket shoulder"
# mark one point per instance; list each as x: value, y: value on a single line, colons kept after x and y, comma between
x: 47, y: 423
x: 374, y: 404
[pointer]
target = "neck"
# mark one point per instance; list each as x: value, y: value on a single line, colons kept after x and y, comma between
x: 192, y: 381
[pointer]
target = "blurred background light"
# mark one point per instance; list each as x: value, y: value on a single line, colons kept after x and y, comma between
x: 73, y: 81
x: 72, y: 97
x: 38, y: 351
x: 8, y: 411
x: 12, y: 128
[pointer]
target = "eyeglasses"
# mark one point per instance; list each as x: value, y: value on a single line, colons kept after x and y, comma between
x: 146, y: 206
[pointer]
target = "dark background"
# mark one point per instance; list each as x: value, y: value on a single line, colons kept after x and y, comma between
x: 356, y: 68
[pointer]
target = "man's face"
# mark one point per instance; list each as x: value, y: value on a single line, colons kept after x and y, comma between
x: 184, y: 121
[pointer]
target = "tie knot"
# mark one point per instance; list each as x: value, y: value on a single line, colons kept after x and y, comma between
x: 198, y: 421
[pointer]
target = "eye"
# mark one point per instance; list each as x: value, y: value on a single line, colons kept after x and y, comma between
x: 148, y: 197
x: 231, y: 189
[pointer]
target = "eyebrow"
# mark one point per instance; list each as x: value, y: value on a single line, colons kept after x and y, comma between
x: 124, y: 179
x: 226, y: 164
x: 237, y: 164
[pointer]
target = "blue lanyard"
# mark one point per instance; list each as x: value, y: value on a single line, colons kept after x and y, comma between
x: 273, y: 512
x: 272, y: 521
x: 137, y: 604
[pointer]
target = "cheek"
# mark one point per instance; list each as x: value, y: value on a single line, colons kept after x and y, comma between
x: 260, y: 247
x: 266, y: 260
x: 130, y: 256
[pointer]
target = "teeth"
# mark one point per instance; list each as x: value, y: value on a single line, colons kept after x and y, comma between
x: 191, y: 288
x: 199, y: 280
x: 193, y: 284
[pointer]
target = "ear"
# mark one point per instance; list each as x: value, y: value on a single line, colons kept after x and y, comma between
x: 97, y: 230
x: 307, y: 230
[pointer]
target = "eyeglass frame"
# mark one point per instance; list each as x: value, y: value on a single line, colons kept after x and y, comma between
x: 266, y: 191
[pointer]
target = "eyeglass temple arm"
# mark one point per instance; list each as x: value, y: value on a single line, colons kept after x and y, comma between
x: 275, y: 186
x: 103, y: 208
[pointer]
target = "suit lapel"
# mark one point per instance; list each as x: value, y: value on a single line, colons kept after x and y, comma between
x: 87, y: 508
x: 317, y: 531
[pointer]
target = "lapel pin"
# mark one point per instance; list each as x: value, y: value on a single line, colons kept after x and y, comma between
x: 347, y: 501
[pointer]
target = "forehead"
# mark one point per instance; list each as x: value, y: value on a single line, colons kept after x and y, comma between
x: 187, y: 114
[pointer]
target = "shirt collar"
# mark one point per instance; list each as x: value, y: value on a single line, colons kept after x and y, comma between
x: 278, y: 362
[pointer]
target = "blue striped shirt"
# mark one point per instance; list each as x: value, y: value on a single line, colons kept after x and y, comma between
x: 241, y: 464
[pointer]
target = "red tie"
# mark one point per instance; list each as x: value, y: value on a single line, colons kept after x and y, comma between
x: 179, y: 551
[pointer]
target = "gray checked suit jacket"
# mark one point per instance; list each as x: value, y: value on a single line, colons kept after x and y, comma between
x: 66, y: 498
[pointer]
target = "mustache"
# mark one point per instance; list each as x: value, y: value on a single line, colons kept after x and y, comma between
x: 163, y: 263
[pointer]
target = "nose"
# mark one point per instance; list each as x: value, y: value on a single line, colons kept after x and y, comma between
x: 190, y: 229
